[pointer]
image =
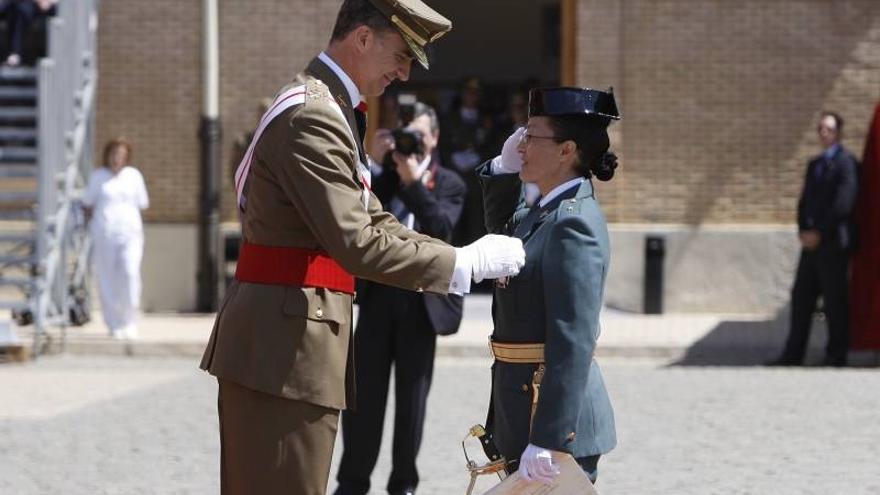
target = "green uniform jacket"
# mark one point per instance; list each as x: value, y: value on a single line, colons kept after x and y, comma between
x: 303, y: 191
x: 555, y: 299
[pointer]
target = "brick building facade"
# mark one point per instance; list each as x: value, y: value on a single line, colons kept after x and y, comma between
x: 719, y: 101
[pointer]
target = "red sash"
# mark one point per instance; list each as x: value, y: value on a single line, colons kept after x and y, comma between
x: 279, y: 265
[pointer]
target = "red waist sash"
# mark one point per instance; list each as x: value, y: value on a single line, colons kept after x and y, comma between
x: 279, y: 265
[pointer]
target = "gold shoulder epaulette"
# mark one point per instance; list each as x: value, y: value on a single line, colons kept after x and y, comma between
x: 317, y: 90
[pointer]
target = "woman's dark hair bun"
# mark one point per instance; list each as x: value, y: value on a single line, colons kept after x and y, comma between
x: 604, y: 168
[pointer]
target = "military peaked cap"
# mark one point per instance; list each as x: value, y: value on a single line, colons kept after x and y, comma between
x: 417, y: 23
x: 550, y: 102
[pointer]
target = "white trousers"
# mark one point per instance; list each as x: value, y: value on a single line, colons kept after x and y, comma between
x: 118, y: 268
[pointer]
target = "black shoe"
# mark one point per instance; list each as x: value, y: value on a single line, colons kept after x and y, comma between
x: 346, y: 490
x: 784, y: 361
x: 836, y: 362
x: 405, y: 491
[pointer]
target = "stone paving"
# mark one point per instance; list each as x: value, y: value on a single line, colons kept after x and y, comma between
x: 108, y: 425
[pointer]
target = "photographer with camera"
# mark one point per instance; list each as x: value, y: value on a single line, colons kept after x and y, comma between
x: 398, y: 326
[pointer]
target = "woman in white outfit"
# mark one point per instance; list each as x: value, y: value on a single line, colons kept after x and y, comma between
x: 114, y: 198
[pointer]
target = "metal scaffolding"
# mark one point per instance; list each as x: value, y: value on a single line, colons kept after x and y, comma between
x: 48, y: 137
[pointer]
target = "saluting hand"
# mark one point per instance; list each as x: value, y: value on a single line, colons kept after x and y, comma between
x: 510, y: 160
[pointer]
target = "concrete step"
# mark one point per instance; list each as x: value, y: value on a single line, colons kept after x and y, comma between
x: 19, y: 282
x: 14, y: 305
x: 18, y: 154
x: 18, y: 74
x: 18, y: 196
x: 17, y: 259
x: 18, y: 214
x: 18, y: 114
x: 9, y: 133
x: 18, y: 93
x: 18, y: 170
x: 18, y: 237
x: 12, y: 347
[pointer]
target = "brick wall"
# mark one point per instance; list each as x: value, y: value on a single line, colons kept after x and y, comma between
x: 149, y: 89
x: 720, y: 99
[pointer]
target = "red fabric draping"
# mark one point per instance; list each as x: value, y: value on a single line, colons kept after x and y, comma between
x: 865, y: 284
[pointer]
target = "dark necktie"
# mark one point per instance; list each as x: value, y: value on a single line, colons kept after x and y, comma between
x: 360, y: 117
x: 525, y: 226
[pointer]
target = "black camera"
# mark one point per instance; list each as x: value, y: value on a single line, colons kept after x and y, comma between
x: 406, y: 108
x: 408, y: 142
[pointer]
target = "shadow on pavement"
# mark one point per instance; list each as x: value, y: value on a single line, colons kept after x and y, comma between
x: 753, y: 343
x: 741, y: 343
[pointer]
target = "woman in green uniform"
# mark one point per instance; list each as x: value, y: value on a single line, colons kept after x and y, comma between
x: 548, y: 394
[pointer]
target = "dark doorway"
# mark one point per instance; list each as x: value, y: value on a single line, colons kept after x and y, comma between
x: 508, y: 45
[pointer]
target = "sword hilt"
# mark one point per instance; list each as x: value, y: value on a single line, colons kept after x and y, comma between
x: 496, y: 464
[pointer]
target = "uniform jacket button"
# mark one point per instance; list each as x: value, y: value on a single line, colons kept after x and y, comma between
x: 571, y: 436
x: 319, y: 313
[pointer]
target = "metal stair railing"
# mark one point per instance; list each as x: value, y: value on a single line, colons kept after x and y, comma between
x: 67, y: 81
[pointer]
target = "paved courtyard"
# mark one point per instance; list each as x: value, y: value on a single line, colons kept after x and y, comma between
x: 103, y: 425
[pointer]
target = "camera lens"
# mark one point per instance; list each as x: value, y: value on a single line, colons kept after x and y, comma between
x: 408, y: 142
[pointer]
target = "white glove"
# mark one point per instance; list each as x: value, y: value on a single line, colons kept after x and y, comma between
x: 536, y: 464
x: 510, y: 160
x: 494, y: 256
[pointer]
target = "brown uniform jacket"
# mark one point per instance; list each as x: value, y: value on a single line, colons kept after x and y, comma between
x: 303, y: 191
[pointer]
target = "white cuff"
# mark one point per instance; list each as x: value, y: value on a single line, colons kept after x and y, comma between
x: 460, y: 283
x: 495, y: 166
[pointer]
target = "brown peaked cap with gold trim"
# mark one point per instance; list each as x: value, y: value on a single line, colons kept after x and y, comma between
x: 417, y: 23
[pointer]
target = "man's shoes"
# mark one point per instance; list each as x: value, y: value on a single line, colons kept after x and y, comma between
x: 835, y: 362
x: 347, y: 490
x: 784, y: 361
x: 405, y: 491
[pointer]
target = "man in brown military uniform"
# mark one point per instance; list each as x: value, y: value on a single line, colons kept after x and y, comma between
x: 281, y: 345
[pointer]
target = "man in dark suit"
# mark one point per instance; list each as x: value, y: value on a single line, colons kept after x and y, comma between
x: 398, y: 326
x: 827, y: 236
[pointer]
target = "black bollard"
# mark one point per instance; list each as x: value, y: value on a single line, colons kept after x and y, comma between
x: 655, y: 252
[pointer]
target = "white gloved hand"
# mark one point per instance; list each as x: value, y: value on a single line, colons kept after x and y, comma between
x: 494, y: 256
x: 510, y: 160
x: 536, y: 464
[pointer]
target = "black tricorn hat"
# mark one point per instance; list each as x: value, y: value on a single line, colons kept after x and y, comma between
x: 552, y: 102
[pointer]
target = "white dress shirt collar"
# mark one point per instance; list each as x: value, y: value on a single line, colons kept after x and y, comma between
x: 561, y: 188
x: 353, y: 92
x: 830, y: 151
x: 424, y: 165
